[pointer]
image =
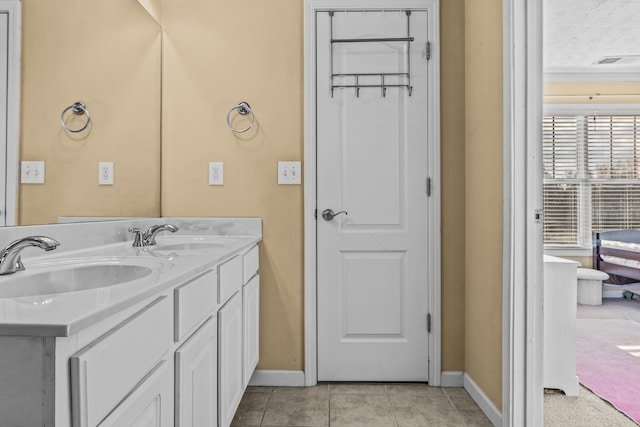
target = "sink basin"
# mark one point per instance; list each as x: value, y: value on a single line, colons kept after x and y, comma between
x: 75, y: 275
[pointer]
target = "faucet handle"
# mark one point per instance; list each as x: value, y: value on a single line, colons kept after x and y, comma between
x: 137, y: 239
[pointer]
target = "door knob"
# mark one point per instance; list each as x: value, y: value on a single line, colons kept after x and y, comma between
x: 328, y: 214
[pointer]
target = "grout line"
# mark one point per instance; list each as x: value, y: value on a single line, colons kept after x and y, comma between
x: 393, y: 410
x: 329, y: 405
x: 264, y: 411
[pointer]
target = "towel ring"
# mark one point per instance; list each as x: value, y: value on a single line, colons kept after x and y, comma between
x: 79, y: 109
x: 243, y: 109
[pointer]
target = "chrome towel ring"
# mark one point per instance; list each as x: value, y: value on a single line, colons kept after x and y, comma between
x: 243, y: 109
x: 79, y: 109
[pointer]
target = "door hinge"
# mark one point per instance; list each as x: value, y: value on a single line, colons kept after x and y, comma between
x: 315, y: 214
x: 429, y: 323
x: 429, y: 187
x: 428, y: 46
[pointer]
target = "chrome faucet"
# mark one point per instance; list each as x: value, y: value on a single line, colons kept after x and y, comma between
x: 10, y: 261
x: 149, y: 238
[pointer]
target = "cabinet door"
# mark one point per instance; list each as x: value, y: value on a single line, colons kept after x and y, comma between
x: 197, y: 378
x: 230, y: 359
x: 149, y: 405
x: 251, y: 302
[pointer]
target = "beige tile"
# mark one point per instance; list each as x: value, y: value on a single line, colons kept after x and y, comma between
x: 475, y: 418
x: 251, y: 409
x: 464, y: 402
x: 409, y: 390
x: 318, y: 390
x: 357, y: 388
x: 297, y: 409
x: 455, y: 391
x: 360, y: 410
x: 426, y: 411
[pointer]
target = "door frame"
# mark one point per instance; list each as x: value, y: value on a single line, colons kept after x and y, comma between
x: 310, y: 170
x: 13, y: 9
x: 522, y: 340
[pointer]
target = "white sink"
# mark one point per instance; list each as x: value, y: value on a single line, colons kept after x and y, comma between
x: 73, y: 275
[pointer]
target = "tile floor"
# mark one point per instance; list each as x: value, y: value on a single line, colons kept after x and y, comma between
x: 358, y: 405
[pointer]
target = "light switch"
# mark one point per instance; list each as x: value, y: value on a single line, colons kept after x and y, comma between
x: 32, y: 172
x: 289, y: 173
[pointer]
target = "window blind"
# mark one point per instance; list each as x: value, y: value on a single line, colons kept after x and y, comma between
x: 591, y: 176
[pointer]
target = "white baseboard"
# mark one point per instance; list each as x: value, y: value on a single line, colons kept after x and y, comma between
x: 276, y: 378
x: 452, y: 379
x: 481, y: 399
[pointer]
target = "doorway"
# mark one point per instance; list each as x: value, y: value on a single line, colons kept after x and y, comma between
x: 372, y: 151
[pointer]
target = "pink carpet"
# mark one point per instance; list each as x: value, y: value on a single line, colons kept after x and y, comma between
x: 608, y: 361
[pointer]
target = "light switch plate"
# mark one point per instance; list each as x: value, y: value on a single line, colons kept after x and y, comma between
x: 289, y: 173
x: 32, y: 172
x: 216, y: 173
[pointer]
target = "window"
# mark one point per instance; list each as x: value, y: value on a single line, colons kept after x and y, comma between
x: 591, y: 173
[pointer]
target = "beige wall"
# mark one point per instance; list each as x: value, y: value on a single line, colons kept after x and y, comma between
x: 453, y: 182
x: 106, y: 54
x: 216, y: 55
x: 483, y: 189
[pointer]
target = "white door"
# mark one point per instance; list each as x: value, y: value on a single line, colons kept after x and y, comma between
x: 372, y: 147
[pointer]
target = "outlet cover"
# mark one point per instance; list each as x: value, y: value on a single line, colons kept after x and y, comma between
x: 289, y: 173
x: 216, y: 173
x: 105, y: 173
x: 32, y: 172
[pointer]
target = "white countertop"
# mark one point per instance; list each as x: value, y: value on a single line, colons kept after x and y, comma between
x: 65, y: 314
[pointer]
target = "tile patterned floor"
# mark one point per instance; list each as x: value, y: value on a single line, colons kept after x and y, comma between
x: 359, y: 405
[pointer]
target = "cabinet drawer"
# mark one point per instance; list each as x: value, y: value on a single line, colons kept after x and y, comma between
x: 250, y: 264
x: 194, y: 302
x: 106, y: 370
x: 229, y: 278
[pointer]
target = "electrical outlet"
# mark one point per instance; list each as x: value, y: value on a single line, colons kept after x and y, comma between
x: 216, y: 173
x: 289, y: 173
x: 32, y: 172
x: 105, y: 173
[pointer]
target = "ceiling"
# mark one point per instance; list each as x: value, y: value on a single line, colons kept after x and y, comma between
x: 579, y: 33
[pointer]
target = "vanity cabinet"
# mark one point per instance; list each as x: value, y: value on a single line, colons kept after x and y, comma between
x: 230, y: 364
x: 197, y: 378
x: 181, y: 357
x: 149, y: 405
x: 106, y: 371
x: 251, y: 324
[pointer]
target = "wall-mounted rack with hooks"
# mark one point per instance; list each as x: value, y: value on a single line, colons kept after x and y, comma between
x: 353, y: 80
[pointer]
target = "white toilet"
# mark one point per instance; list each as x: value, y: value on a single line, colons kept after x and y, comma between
x: 590, y: 286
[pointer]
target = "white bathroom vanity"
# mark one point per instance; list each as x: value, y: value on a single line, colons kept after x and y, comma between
x: 176, y: 345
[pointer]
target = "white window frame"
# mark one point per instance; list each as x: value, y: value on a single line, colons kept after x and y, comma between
x: 551, y: 109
